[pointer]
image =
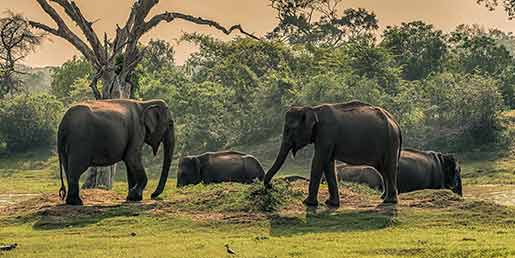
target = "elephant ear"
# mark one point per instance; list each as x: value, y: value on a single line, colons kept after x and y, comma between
x: 310, y: 120
x: 152, y: 120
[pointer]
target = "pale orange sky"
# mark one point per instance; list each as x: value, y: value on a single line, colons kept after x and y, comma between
x: 254, y: 15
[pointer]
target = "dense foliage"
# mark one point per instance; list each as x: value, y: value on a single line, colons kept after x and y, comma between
x: 29, y: 121
x: 446, y: 90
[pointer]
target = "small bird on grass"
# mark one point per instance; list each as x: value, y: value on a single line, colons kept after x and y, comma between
x: 229, y: 250
x: 8, y: 247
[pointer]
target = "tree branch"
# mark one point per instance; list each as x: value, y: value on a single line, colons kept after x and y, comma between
x: 169, y: 17
x: 64, y: 32
x: 73, y: 11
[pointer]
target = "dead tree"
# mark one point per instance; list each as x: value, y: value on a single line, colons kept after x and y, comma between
x: 16, y: 41
x: 105, y: 54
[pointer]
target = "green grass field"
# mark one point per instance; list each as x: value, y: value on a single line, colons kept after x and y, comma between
x: 198, y: 221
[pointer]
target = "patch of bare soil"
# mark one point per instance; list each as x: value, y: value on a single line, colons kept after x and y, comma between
x: 42, y: 203
x: 500, y: 194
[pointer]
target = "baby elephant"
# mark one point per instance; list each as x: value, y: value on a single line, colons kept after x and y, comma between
x: 361, y: 175
x: 217, y: 167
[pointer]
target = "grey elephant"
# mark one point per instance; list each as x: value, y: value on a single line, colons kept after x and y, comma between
x: 428, y: 170
x: 217, y: 167
x: 355, y: 133
x: 418, y: 170
x: 361, y: 175
x: 102, y: 133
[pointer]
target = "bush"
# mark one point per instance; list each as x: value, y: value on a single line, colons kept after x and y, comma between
x: 458, y: 110
x: 29, y: 121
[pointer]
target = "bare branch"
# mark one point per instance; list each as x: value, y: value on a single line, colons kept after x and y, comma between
x: 73, y: 11
x: 169, y: 17
x: 64, y: 32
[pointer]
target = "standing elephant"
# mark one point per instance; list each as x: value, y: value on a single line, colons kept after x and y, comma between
x: 217, y: 167
x: 428, y: 170
x: 355, y: 133
x: 101, y: 133
x: 365, y: 175
x: 418, y: 170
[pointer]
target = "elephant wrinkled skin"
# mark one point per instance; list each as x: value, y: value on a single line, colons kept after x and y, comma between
x: 355, y: 133
x: 101, y: 133
x: 217, y: 167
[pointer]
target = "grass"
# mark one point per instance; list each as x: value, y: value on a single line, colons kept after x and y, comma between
x: 197, y: 221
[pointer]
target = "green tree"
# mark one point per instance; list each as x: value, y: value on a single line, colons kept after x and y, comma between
x: 66, y: 76
x: 29, y: 121
x: 418, y: 48
x: 321, y: 23
x: 474, y: 50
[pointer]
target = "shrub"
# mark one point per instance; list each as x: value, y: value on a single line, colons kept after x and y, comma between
x: 462, y: 108
x: 29, y: 121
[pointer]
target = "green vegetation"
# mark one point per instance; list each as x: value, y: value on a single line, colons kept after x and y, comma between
x: 29, y: 122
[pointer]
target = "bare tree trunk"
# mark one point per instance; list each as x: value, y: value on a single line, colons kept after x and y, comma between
x: 103, y: 177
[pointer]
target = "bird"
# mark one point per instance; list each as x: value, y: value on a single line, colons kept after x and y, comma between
x: 8, y: 247
x: 229, y: 250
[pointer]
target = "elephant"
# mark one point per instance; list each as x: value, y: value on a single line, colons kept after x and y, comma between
x: 356, y: 133
x: 428, y: 170
x: 218, y: 167
x: 104, y: 132
x: 361, y: 175
x: 418, y: 170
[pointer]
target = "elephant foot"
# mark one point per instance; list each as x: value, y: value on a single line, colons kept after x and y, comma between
x: 310, y: 202
x: 268, y: 184
x: 134, y: 196
x: 333, y: 203
x: 391, y: 200
x: 74, y: 201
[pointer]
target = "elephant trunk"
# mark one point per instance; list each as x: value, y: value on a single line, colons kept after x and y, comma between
x: 279, y: 161
x: 457, y: 185
x: 169, y: 145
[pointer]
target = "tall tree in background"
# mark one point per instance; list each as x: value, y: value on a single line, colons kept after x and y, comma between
x: 418, y: 47
x: 113, y: 60
x: 16, y: 42
x: 319, y: 22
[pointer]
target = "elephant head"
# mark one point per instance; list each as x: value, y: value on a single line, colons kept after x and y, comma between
x: 159, y: 128
x: 299, y: 127
x: 452, y: 172
x: 189, y: 171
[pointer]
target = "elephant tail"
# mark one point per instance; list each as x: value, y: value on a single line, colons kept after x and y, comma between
x: 62, y: 159
x: 62, y: 190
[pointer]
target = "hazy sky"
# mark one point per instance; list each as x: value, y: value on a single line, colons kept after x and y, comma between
x: 254, y: 15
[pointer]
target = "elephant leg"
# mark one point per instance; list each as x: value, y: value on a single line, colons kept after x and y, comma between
x: 317, y: 165
x: 131, y: 181
x: 135, y: 167
x: 390, y: 183
x: 332, y: 184
x: 75, y: 169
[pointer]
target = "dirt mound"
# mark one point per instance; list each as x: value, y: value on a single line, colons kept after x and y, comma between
x: 430, y: 199
x: 41, y: 203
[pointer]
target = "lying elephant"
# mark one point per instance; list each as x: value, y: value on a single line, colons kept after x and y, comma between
x: 365, y: 175
x: 102, y: 133
x: 417, y: 170
x: 428, y: 170
x: 217, y: 167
